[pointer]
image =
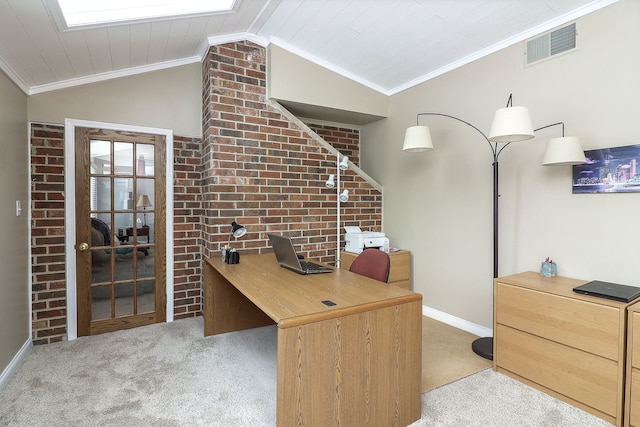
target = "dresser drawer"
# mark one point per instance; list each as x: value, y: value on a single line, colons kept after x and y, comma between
x: 632, y: 396
x: 587, y: 326
x: 634, y: 399
x: 634, y: 339
x: 578, y: 375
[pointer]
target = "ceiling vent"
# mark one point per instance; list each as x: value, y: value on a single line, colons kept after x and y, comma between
x: 547, y: 45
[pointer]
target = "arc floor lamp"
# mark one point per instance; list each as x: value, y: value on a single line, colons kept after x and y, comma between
x: 510, y: 124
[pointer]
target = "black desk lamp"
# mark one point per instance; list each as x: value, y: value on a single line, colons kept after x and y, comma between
x: 237, y: 230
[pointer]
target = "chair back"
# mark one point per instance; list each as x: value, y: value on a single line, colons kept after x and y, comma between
x: 372, y: 263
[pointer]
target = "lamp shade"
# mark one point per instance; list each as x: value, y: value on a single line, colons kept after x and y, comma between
x: 511, y: 124
x: 330, y: 183
x: 564, y: 151
x: 344, y: 163
x: 237, y: 230
x: 417, y: 138
x: 143, y: 201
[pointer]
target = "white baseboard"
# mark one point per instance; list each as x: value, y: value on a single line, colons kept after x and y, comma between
x: 457, y: 322
x: 15, y: 363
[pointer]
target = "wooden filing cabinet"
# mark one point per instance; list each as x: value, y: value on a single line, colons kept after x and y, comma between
x: 565, y: 344
x: 399, y: 272
x: 632, y: 395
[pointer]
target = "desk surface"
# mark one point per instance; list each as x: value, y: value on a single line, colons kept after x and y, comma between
x: 292, y: 299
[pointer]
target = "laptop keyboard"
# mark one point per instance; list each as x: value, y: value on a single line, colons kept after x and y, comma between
x: 306, y: 265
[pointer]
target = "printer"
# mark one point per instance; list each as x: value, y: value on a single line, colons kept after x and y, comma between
x: 357, y: 240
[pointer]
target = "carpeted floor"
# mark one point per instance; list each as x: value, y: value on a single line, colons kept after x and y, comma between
x: 170, y: 375
x: 447, y: 354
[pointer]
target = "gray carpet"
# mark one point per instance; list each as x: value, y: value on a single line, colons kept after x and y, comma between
x: 170, y: 375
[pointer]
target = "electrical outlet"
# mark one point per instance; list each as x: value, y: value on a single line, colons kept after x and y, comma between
x: 18, y: 208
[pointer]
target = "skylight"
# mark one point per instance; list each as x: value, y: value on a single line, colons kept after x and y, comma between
x: 80, y: 13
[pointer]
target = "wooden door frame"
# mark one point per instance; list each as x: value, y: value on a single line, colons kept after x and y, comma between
x: 70, y: 212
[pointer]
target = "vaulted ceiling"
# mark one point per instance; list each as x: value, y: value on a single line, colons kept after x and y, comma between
x: 388, y: 45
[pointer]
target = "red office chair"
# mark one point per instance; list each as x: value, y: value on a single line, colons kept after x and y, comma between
x: 372, y: 263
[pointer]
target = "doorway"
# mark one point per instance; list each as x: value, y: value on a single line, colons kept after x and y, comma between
x: 121, y: 227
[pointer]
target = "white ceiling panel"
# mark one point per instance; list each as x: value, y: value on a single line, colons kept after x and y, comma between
x: 387, y: 45
x: 99, y: 49
x: 120, y: 46
x: 140, y: 36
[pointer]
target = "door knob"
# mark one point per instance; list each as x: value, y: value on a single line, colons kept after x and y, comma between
x: 83, y: 247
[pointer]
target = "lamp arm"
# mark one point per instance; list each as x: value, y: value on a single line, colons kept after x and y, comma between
x: 493, y: 148
x: 548, y: 126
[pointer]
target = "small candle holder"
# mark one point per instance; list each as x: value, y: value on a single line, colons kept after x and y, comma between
x: 548, y: 269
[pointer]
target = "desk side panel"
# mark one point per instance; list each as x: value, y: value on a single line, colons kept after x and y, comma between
x: 361, y: 369
x: 225, y: 308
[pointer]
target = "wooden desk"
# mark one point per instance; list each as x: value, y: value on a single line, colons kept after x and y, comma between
x: 355, y: 363
x: 568, y: 345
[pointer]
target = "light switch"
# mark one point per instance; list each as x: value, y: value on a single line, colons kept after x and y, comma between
x: 18, y: 208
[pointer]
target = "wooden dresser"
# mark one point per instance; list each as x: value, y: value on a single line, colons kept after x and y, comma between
x: 399, y: 273
x: 632, y: 395
x: 565, y: 344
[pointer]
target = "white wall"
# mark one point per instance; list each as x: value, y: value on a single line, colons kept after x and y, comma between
x: 438, y: 203
x: 168, y: 99
x: 14, y: 251
x: 293, y: 79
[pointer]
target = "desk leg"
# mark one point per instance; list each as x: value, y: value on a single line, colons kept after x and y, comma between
x: 225, y: 308
x: 360, y: 369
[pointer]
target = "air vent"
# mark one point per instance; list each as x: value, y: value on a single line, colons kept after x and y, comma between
x: 549, y: 44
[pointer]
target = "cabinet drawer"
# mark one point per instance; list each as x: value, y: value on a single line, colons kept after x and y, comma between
x: 581, y: 324
x: 400, y: 266
x: 635, y: 340
x: 584, y: 377
x: 634, y: 397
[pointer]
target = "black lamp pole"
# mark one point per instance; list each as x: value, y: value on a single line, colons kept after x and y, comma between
x: 484, y: 346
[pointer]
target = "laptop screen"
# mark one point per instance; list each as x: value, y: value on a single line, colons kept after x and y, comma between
x: 288, y: 258
x: 284, y: 251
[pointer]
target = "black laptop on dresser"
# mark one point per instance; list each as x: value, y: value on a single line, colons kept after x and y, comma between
x: 614, y: 291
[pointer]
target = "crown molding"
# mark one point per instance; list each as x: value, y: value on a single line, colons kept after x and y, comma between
x: 13, y: 76
x: 111, y: 75
x: 229, y: 38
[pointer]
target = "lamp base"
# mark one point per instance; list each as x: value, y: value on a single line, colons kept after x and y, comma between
x: 483, y: 347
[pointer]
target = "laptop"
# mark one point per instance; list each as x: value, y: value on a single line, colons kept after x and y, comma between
x: 287, y: 257
x: 608, y: 290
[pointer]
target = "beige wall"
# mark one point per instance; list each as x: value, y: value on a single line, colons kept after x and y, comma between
x: 299, y: 83
x: 14, y: 251
x: 438, y: 203
x: 168, y: 99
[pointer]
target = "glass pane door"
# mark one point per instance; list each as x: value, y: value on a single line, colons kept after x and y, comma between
x: 122, y: 199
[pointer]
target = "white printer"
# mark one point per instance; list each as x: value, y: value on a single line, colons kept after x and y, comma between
x: 357, y: 240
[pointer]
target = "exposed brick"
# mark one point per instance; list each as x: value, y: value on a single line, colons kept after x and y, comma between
x: 253, y: 165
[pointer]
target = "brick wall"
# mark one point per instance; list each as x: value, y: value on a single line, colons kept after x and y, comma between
x: 254, y: 165
x: 49, y: 301
x: 48, y: 297
x: 264, y: 170
x: 343, y: 139
x: 187, y: 218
